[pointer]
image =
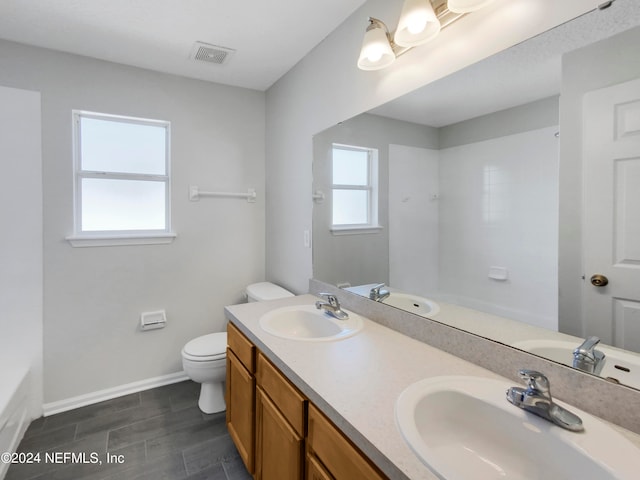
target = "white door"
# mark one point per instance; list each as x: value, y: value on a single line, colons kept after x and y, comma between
x: 611, y: 156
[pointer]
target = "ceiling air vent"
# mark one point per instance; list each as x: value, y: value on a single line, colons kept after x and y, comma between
x: 211, y: 53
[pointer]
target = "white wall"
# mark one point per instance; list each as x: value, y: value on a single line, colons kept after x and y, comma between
x: 21, y: 300
x: 413, y: 219
x: 498, y: 207
x: 326, y: 87
x: 93, y: 296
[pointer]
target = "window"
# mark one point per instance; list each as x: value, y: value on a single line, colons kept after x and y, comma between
x: 122, y: 180
x: 354, y: 189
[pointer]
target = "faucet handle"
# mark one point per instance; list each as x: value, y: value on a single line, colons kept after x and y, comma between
x: 587, y: 358
x: 587, y: 349
x: 331, y: 298
x: 535, y: 380
x: 374, y: 293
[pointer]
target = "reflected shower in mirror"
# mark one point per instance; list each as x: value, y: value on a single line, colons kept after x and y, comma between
x: 478, y: 199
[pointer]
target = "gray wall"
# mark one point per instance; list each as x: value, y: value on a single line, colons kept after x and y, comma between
x: 522, y: 118
x: 93, y: 296
x: 358, y: 258
x: 617, y: 62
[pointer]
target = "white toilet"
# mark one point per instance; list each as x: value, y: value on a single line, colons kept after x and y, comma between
x: 204, y: 358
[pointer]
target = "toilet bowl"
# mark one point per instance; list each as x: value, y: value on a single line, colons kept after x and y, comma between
x: 204, y: 361
x: 204, y: 358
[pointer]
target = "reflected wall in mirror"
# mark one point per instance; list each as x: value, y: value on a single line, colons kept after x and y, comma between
x: 480, y: 202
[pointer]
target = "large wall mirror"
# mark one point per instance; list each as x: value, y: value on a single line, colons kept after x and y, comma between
x: 503, y: 199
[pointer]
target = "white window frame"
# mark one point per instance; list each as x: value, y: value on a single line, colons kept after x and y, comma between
x: 118, y: 237
x: 371, y: 226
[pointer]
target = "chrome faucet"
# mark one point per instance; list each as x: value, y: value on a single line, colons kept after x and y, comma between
x: 587, y: 358
x: 536, y: 398
x: 332, y: 306
x: 377, y: 294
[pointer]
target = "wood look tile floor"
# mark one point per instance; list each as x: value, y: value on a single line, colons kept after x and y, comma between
x: 155, y: 434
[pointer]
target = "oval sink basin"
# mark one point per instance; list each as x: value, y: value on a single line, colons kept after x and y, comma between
x: 464, y: 428
x: 306, y: 322
x: 412, y: 304
x: 618, y: 366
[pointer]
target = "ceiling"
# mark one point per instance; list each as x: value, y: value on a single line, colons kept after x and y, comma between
x: 524, y: 73
x: 269, y: 36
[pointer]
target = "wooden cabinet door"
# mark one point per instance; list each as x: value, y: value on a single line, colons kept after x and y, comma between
x: 315, y: 470
x: 279, y: 449
x: 282, y: 393
x: 241, y: 402
x: 343, y: 460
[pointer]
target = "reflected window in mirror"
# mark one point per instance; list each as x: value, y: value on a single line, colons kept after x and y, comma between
x: 354, y: 188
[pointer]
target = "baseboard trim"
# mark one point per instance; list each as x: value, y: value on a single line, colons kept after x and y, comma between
x: 109, y: 393
x: 14, y: 413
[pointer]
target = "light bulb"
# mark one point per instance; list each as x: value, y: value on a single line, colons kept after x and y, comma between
x: 376, y: 52
x: 417, y: 24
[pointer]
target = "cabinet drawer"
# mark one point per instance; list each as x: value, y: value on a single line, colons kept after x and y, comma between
x: 242, y: 347
x: 289, y: 401
x: 337, y: 454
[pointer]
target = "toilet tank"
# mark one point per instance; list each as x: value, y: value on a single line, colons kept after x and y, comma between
x: 257, y: 292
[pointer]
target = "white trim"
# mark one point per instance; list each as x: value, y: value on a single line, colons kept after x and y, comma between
x: 122, y: 118
x: 355, y: 229
x: 106, y: 240
x: 20, y: 422
x: 79, y: 174
x: 371, y: 188
x: 109, y: 393
x: 15, y: 417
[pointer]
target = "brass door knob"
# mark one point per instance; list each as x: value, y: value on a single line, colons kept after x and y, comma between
x: 599, y: 280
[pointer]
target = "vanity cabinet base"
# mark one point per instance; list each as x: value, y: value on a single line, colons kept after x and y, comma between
x: 279, y: 433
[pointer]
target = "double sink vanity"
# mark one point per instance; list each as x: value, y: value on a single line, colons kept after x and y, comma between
x: 313, y: 396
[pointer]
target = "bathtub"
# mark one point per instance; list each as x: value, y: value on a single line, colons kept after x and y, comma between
x: 14, y: 410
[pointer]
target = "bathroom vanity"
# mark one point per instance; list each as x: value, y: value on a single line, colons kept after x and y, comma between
x: 270, y: 421
x: 301, y: 408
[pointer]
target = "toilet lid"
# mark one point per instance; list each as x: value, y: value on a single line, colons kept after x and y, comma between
x: 212, y: 345
x: 267, y: 291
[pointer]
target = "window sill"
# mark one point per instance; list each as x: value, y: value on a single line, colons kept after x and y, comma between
x: 106, y: 240
x: 356, y: 230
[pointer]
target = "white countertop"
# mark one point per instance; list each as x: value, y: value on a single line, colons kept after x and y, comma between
x: 356, y: 381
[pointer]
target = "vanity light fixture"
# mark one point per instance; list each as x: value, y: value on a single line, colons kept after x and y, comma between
x: 376, y: 51
x: 420, y: 21
x: 466, y: 6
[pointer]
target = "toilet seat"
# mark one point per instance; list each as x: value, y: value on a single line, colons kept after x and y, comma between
x: 206, y: 348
